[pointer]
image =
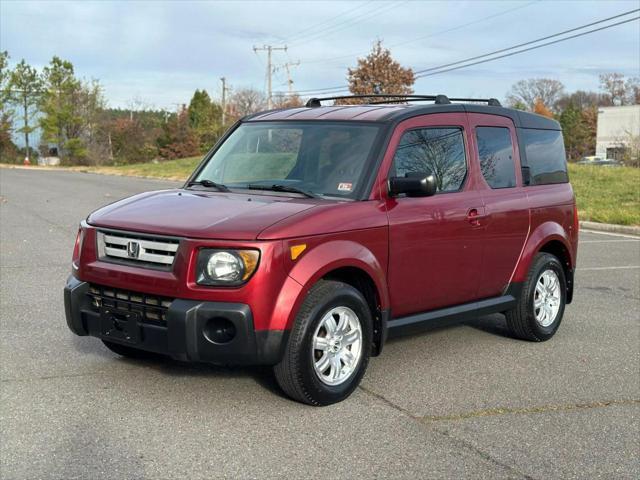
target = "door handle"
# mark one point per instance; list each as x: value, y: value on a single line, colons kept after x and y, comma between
x: 474, y: 216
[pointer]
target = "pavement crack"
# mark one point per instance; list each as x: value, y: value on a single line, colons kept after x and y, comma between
x: 471, y: 447
x: 64, y: 375
x: 459, y: 443
x: 528, y: 410
x: 389, y: 403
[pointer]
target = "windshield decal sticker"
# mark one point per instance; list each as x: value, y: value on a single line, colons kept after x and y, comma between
x: 345, y: 187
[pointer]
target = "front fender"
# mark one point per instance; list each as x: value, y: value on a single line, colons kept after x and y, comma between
x: 543, y: 234
x: 318, y: 261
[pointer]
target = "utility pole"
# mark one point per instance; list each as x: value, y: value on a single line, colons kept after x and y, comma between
x: 269, y: 49
x: 288, y: 70
x: 224, y: 99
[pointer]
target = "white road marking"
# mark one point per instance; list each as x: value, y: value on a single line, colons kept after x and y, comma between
x: 628, y: 267
x: 597, y: 232
x: 609, y: 241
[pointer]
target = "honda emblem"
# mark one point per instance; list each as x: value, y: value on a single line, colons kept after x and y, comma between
x: 133, y: 249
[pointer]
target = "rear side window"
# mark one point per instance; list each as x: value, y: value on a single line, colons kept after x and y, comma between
x: 495, y: 151
x: 433, y: 150
x: 545, y: 157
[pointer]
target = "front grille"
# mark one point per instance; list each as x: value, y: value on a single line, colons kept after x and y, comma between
x: 136, y: 249
x: 151, y: 308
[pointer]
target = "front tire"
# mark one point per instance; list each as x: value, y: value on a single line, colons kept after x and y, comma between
x: 329, y: 346
x: 540, y: 307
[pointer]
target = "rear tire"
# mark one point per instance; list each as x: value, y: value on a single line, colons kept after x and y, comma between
x: 540, y: 308
x: 126, y: 351
x: 329, y: 345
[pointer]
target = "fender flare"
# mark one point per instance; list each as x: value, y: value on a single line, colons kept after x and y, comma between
x: 545, y: 232
x: 314, y: 265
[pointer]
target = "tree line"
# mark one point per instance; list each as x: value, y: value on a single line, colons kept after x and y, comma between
x: 577, y: 112
x: 76, y: 124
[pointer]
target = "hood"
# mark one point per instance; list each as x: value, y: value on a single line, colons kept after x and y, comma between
x: 197, y: 214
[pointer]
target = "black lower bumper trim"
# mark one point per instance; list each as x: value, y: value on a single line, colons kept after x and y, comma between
x: 192, y: 331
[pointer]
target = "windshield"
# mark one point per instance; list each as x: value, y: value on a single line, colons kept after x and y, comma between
x: 319, y: 158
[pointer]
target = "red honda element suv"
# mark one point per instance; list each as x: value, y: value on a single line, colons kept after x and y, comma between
x: 308, y: 235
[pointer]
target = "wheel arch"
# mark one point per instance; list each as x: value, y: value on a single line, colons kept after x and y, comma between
x: 551, y: 238
x: 348, y: 262
x: 561, y: 252
x: 362, y: 281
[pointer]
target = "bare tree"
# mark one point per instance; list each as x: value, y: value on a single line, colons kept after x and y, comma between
x: 287, y: 101
x: 613, y: 86
x: 632, y: 87
x: 247, y: 101
x: 528, y: 92
x: 438, y: 151
x: 629, y: 147
x: 582, y: 99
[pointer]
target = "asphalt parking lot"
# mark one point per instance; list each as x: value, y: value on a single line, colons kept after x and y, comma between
x: 461, y: 402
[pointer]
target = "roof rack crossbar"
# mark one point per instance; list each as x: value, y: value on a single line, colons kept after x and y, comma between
x: 316, y: 102
x: 398, y: 98
x: 494, y: 102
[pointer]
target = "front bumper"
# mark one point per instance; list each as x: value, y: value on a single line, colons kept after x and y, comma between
x: 188, y: 334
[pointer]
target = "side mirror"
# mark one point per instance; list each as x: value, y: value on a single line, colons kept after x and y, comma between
x: 526, y: 176
x: 414, y: 184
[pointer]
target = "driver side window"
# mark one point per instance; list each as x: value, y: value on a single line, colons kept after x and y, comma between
x: 436, y: 150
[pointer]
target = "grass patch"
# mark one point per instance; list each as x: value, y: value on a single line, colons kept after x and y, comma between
x: 607, y: 195
x: 168, y: 169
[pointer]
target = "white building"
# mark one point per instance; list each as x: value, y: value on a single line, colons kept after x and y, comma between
x: 617, y: 127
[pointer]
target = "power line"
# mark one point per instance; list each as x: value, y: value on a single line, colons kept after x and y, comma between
x: 527, y: 49
x: 302, y: 33
x: 317, y: 90
x: 440, y: 32
x: 443, y: 68
x: 527, y: 43
x: 346, y: 23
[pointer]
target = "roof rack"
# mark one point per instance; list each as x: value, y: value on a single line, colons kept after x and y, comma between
x: 397, y: 98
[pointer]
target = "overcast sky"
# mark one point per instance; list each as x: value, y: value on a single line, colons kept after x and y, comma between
x: 159, y: 52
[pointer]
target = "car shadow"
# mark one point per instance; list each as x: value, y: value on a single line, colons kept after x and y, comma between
x: 166, y: 365
x: 263, y: 375
x: 495, y: 324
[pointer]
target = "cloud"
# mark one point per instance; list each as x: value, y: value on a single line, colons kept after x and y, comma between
x: 161, y: 51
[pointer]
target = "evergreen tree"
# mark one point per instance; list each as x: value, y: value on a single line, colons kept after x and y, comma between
x: 70, y: 110
x: 25, y: 90
x: 8, y: 150
x: 204, y: 119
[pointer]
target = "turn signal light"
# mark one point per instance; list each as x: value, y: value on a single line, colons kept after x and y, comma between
x: 297, y: 250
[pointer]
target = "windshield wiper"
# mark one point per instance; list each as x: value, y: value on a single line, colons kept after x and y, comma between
x: 209, y: 184
x: 281, y: 188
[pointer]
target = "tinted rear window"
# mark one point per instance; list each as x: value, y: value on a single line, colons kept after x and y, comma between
x: 545, y: 157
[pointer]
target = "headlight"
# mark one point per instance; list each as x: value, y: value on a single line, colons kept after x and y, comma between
x: 225, y: 267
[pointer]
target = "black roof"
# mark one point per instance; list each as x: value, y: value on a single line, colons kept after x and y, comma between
x: 395, y: 112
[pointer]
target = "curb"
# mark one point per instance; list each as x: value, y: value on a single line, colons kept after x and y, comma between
x: 608, y: 227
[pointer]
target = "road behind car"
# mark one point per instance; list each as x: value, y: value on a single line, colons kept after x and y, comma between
x: 462, y: 402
